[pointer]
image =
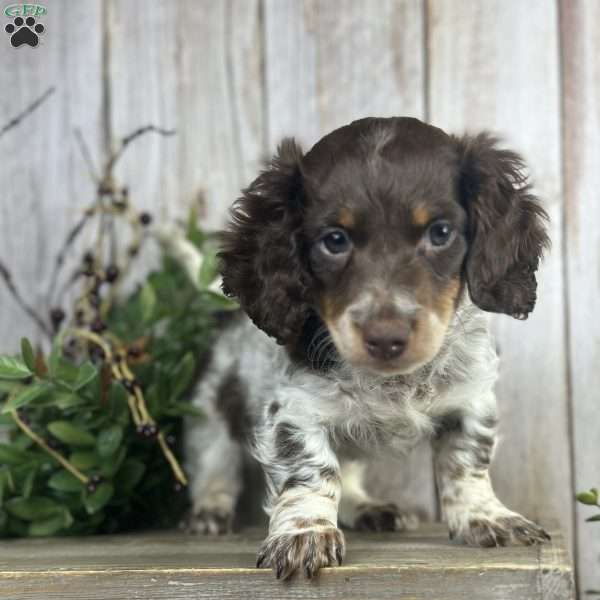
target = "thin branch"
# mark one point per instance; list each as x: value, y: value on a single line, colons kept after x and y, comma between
x: 7, y: 277
x: 16, y: 120
x: 60, y: 259
x: 86, y: 154
x: 114, y: 158
x: 40, y: 442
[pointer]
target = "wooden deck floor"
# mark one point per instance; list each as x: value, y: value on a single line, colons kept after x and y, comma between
x: 174, y: 566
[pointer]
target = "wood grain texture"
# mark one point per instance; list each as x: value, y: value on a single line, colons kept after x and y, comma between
x: 494, y: 65
x: 420, y: 565
x: 327, y: 64
x: 44, y: 182
x: 194, y: 66
x: 580, y: 23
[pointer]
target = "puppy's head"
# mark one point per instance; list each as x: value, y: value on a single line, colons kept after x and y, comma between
x: 377, y: 231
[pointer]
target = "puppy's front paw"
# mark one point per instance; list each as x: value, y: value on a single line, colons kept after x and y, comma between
x: 500, y: 531
x: 384, y: 517
x: 213, y: 521
x: 307, y: 550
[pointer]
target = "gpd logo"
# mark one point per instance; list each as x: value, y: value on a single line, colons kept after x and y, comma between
x: 24, y: 28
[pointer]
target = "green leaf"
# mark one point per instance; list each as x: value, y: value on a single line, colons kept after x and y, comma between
x: 63, y: 481
x: 180, y: 409
x: 208, y: 268
x: 27, y: 395
x: 12, y: 456
x: 99, y: 499
x: 51, y: 525
x: 589, y: 498
x: 109, y: 440
x: 130, y: 474
x: 64, y: 400
x: 147, y: 302
x: 84, y: 460
x: 593, y: 519
x: 27, y: 354
x: 70, y: 434
x: 111, y: 465
x: 86, y: 372
x: 13, y: 368
x: 219, y: 302
x: 33, y: 508
x: 28, y: 482
x: 183, y: 375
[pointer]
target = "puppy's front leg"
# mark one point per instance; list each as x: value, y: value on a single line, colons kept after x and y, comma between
x: 463, y: 451
x: 304, y: 492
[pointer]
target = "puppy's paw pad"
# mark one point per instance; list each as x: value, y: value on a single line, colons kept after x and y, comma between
x: 384, y: 517
x: 306, y: 551
x: 512, y: 529
x: 209, y: 522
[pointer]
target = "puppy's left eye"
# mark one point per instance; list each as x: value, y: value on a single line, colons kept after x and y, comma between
x: 336, y: 242
x: 440, y: 233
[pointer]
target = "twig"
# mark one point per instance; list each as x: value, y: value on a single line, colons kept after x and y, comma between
x: 16, y: 120
x: 87, y: 157
x: 6, y: 276
x: 40, y: 442
x: 60, y: 259
x: 115, y: 156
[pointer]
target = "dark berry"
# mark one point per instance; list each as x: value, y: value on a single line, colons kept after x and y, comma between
x: 133, y: 250
x: 24, y: 418
x: 79, y: 317
x: 98, y: 326
x: 96, y: 479
x: 94, y: 299
x: 88, y: 258
x: 53, y: 443
x: 57, y: 316
x: 96, y: 353
x: 145, y: 218
x: 152, y: 430
x: 129, y: 384
x: 112, y: 273
x: 91, y: 487
x: 171, y: 440
x: 177, y: 487
x: 134, y: 352
x: 141, y: 430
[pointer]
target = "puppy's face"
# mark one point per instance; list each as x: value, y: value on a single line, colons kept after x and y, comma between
x: 387, y: 240
x: 378, y: 229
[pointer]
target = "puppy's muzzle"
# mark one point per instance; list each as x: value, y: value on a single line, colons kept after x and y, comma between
x: 386, y: 339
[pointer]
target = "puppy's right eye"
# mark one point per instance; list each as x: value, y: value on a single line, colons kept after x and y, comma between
x: 336, y: 242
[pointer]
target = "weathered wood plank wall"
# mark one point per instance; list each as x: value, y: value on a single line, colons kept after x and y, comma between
x: 580, y: 35
x: 235, y: 76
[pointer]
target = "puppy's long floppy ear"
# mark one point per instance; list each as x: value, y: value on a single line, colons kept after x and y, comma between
x: 507, y: 234
x: 260, y: 253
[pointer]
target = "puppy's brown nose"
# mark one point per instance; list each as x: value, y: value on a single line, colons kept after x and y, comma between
x: 385, y: 340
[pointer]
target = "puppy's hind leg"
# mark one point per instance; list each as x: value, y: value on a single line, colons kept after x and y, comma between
x: 215, y: 469
x: 214, y: 455
x: 358, y: 510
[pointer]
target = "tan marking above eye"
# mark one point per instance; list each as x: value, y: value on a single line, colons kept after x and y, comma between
x: 346, y: 218
x: 421, y: 216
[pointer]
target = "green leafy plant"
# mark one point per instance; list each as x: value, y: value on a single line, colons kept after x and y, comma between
x: 76, y: 460
x: 591, y: 498
x: 93, y: 423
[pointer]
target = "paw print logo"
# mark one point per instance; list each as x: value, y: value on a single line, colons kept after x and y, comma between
x: 24, y: 31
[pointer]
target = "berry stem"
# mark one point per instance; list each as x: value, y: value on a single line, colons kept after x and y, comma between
x: 40, y: 442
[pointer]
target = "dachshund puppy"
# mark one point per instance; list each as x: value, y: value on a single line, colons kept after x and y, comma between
x: 365, y: 267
